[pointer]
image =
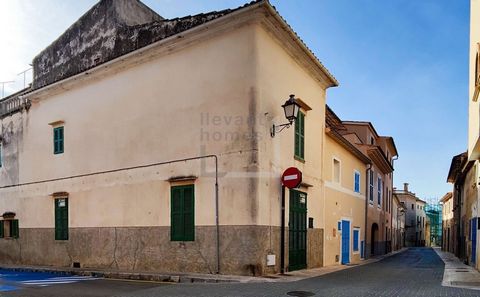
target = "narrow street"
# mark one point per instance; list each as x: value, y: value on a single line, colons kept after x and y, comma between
x: 416, y: 272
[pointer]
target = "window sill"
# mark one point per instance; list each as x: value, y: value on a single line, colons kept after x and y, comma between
x: 299, y: 159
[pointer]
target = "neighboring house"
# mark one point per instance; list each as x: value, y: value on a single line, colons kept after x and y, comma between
x: 345, y: 168
x: 144, y: 144
x: 471, y: 184
x: 457, y: 174
x: 414, y: 216
x: 398, y: 223
x: 449, y: 230
x: 382, y: 151
x: 421, y: 216
x: 428, y: 231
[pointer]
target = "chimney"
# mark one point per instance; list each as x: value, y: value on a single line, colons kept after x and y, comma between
x: 405, y: 187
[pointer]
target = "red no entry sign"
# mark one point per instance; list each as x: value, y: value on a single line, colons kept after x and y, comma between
x: 292, y: 177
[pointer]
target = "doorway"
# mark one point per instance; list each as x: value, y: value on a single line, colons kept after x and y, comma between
x: 297, y: 231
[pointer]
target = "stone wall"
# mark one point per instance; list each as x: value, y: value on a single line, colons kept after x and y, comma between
x: 243, y: 249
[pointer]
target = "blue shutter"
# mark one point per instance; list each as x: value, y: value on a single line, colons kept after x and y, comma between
x: 362, y: 250
x: 355, y: 240
x: 357, y: 182
x: 339, y: 227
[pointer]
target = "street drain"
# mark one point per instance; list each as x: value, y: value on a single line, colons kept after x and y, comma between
x: 300, y: 293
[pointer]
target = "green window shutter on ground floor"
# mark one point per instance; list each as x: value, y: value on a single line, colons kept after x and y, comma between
x: 14, y: 230
x: 182, y: 213
x: 2, y: 235
x: 61, y: 219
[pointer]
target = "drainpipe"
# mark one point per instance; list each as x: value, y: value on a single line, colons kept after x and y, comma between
x: 367, y: 188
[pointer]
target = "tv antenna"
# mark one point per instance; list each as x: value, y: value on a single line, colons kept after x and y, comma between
x: 3, y: 83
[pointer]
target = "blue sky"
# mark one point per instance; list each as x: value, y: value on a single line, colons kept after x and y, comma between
x: 403, y: 65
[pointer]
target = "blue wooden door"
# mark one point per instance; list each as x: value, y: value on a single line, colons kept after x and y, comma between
x: 345, y: 242
x: 474, y: 240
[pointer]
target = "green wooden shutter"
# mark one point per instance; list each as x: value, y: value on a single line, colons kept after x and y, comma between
x: 188, y: 213
x: 2, y: 235
x: 61, y: 219
x: 300, y: 136
x: 65, y: 219
x: 58, y: 137
x: 176, y: 226
x: 297, y: 136
x: 14, y: 230
x: 182, y: 216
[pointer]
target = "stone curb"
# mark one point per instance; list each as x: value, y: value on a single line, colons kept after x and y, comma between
x: 188, y: 278
x: 154, y: 277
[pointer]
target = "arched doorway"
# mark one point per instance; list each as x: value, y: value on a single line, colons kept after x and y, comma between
x: 374, y: 239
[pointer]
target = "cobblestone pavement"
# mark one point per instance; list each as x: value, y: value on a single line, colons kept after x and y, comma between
x: 416, y: 272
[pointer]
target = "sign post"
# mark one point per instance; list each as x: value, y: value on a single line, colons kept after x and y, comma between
x: 291, y: 178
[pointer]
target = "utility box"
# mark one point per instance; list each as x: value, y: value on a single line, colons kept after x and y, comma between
x: 270, y: 260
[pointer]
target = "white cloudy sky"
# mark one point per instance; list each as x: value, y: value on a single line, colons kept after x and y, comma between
x: 24, y: 32
x: 27, y: 27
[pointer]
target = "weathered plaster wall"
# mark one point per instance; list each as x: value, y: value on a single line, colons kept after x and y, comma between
x: 98, y: 36
x: 196, y: 101
x: 12, y: 129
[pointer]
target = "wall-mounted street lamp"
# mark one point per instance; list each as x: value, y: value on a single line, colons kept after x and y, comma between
x: 291, y: 108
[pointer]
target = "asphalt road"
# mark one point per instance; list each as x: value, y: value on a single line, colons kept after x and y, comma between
x: 416, y: 272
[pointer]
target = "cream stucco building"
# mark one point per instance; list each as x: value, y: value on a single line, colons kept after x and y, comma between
x: 398, y: 223
x: 415, y: 216
x: 448, y: 227
x: 144, y: 144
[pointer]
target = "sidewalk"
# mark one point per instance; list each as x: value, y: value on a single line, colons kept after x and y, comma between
x: 196, y: 277
x: 457, y: 274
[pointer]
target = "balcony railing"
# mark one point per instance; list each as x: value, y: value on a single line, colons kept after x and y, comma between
x: 12, y: 105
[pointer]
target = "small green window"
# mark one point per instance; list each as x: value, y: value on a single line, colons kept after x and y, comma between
x: 300, y: 136
x: 58, y: 140
x: 14, y: 231
x: 182, y: 213
x: 61, y: 219
x: 9, y: 229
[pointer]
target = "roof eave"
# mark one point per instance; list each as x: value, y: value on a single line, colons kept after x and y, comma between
x: 332, y: 81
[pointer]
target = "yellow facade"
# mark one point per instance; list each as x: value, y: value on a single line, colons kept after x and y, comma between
x: 342, y: 202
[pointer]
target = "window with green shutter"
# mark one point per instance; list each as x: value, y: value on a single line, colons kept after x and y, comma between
x: 14, y: 231
x: 61, y: 219
x: 9, y: 229
x: 182, y: 216
x: 300, y: 136
x: 58, y: 140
